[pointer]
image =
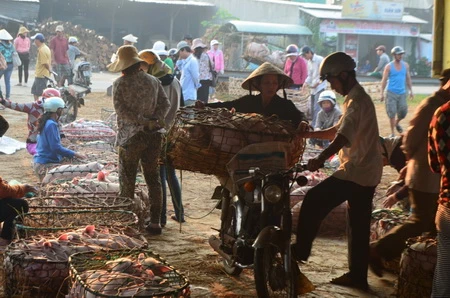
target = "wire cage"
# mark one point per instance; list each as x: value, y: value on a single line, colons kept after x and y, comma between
x: 35, y: 223
x: 205, y: 140
x: 79, y: 201
x: 124, y: 273
x: 38, y: 266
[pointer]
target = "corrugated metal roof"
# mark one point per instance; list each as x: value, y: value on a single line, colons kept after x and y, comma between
x: 10, y: 19
x: 335, y: 12
x: 265, y: 28
x: 188, y: 3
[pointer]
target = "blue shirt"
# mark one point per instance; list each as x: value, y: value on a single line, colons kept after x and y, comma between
x: 49, y: 148
x: 397, y: 79
x: 190, y: 73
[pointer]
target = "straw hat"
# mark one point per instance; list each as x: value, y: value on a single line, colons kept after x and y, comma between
x: 23, y: 30
x: 4, y: 35
x: 126, y: 56
x: 198, y: 43
x: 267, y: 68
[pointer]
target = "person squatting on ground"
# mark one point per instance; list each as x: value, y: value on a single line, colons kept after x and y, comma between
x: 22, y: 43
x: 11, y: 199
x: 205, y: 69
x: 141, y: 106
x: 328, y: 116
x: 295, y: 67
x: 396, y: 76
x: 316, y: 86
x: 43, y: 64
x: 439, y: 160
x: 172, y: 87
x: 7, y: 49
x: 356, y: 138
x: 190, y: 75
x: 423, y: 185
x: 34, y: 110
x: 59, y: 45
x: 49, y: 150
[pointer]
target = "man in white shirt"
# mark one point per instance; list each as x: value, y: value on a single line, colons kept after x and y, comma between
x: 316, y: 86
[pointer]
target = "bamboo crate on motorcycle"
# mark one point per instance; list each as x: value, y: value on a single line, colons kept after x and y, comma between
x: 205, y: 140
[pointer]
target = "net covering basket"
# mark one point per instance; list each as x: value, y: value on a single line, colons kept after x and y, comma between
x: 35, y: 223
x: 78, y: 201
x: 204, y: 140
x: 124, y: 273
x: 38, y: 267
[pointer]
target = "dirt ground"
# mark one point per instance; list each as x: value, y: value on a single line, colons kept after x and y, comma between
x: 186, y: 247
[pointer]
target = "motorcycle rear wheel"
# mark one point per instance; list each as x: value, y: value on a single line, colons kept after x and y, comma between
x: 71, y: 111
x: 270, y: 277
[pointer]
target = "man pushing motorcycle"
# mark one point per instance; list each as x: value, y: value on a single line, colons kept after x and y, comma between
x: 356, y: 138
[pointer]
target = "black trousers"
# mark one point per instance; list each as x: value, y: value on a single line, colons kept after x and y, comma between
x: 203, y: 91
x: 9, y: 209
x: 25, y: 58
x: 323, y: 198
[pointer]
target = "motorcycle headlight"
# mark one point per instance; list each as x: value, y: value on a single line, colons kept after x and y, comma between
x: 272, y: 193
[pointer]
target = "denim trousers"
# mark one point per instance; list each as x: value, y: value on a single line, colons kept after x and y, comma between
x: 7, y: 77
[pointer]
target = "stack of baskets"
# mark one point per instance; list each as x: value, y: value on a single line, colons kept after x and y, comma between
x: 205, y: 140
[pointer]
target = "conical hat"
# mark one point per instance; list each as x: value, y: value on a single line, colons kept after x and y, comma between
x: 267, y: 68
x: 4, y: 35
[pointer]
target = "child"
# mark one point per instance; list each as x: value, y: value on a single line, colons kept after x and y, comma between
x: 328, y: 116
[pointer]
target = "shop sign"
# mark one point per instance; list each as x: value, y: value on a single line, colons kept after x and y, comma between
x: 373, y: 10
x: 369, y: 28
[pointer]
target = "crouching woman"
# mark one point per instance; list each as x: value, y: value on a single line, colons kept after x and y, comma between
x: 49, y: 151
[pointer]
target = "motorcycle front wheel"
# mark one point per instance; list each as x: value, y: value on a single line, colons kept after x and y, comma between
x: 271, y: 280
x: 71, y: 111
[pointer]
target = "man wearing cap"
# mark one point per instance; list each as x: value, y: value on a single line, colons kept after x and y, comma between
x: 188, y: 38
x: 43, y: 65
x: 141, y: 106
x: 396, y: 76
x: 60, y: 61
x: 382, y: 62
x: 313, y: 80
x: 356, y: 138
x: 22, y: 44
x: 295, y: 67
x: 190, y: 72
x: 73, y: 52
x: 423, y: 184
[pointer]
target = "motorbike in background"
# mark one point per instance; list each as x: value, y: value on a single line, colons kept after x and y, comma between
x: 73, y: 95
x: 256, y: 220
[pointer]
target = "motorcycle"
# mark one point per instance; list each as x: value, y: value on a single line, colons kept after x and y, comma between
x: 73, y: 95
x: 256, y: 219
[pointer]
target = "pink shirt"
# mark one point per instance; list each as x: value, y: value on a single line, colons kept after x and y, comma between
x: 217, y: 58
x: 299, y: 71
x: 22, y: 45
x: 59, y: 47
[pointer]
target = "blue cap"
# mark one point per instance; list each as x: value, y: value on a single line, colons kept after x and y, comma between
x: 39, y: 36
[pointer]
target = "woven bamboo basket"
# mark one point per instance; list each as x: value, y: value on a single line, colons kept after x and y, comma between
x: 205, y: 140
x: 115, y: 274
x: 79, y: 202
x: 35, y: 223
x: 417, y: 266
x: 39, y: 267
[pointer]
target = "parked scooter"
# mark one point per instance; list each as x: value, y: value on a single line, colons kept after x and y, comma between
x: 73, y: 95
x: 256, y: 219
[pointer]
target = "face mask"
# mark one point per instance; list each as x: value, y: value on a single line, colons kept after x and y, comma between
x: 328, y: 109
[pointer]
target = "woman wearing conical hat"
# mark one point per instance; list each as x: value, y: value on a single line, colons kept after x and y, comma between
x: 22, y: 43
x: 267, y: 79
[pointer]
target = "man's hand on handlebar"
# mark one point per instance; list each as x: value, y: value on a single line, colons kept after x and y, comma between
x: 315, y: 163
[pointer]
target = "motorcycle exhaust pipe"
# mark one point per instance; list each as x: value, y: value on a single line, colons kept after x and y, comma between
x: 215, y: 244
